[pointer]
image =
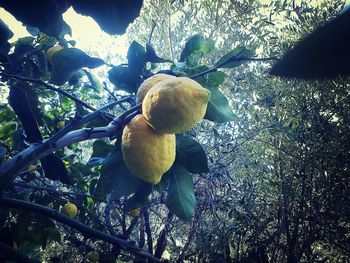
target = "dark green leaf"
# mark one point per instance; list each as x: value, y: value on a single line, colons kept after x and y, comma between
x: 181, y: 200
x: 234, y: 58
x: 55, y: 169
x: 122, y: 79
x: 112, y: 16
x: 136, y: 60
x: 152, y: 57
x: 139, y: 198
x: 45, y: 15
x: 218, y: 109
x: 216, y: 78
x: 116, y: 180
x: 196, y: 44
x: 191, y: 155
x: 100, y: 148
x: 67, y: 61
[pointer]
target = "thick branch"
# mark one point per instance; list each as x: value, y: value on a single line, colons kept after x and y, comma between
x: 84, y: 229
x: 36, y: 152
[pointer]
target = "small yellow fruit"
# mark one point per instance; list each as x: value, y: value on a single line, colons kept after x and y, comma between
x: 70, y: 209
x: 93, y: 256
x: 53, y: 50
x: 135, y: 212
x: 175, y: 105
x: 147, y: 153
x: 150, y: 83
x: 31, y: 168
x: 61, y: 124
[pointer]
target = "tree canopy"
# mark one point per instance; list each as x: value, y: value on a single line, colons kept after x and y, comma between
x: 263, y: 178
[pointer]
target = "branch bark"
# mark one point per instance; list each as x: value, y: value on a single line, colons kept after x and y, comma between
x: 35, y: 152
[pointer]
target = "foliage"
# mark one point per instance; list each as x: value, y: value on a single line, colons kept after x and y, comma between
x: 263, y: 179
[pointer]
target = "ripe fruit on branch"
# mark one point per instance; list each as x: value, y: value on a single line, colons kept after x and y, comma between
x: 135, y: 212
x: 175, y: 105
x: 150, y: 83
x: 148, y: 154
x: 70, y: 209
x: 61, y: 124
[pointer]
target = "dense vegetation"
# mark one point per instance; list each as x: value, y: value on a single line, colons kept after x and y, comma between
x: 269, y: 165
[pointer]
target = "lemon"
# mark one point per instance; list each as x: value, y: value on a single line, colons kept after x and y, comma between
x: 147, y: 153
x: 61, y: 124
x: 53, y: 50
x: 70, y: 209
x: 175, y: 105
x: 150, y: 83
x: 135, y: 212
x: 93, y: 256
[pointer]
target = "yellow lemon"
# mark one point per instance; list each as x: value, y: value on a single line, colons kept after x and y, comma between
x: 135, y: 212
x: 70, y: 209
x: 93, y: 256
x: 53, y: 50
x: 150, y: 83
x: 147, y: 153
x: 175, y: 105
x: 61, y: 124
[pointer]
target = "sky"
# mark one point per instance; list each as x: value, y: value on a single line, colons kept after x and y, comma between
x: 85, y: 31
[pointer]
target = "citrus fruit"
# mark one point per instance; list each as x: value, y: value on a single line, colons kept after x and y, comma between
x: 135, y: 212
x: 175, y: 105
x: 70, y: 209
x: 150, y: 83
x: 147, y: 153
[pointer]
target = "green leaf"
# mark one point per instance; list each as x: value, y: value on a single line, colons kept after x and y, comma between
x: 136, y: 60
x: 122, y: 79
x: 112, y: 16
x: 139, y: 198
x: 191, y: 155
x: 181, y: 200
x: 218, y: 109
x: 116, y: 180
x: 152, y: 57
x: 216, y: 78
x: 100, y: 148
x: 198, y: 46
x: 234, y: 58
x: 67, y: 61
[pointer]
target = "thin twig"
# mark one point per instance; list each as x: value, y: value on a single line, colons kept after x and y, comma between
x: 53, y: 88
x: 215, y: 68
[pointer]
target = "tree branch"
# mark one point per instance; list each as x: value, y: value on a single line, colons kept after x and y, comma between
x: 82, y: 228
x: 59, y: 140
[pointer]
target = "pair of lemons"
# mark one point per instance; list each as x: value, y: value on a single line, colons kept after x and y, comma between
x: 169, y: 105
